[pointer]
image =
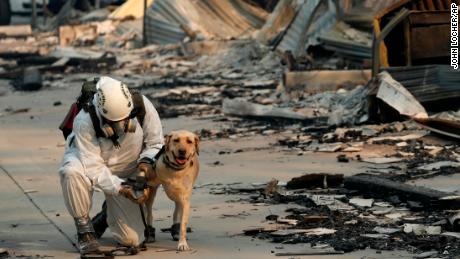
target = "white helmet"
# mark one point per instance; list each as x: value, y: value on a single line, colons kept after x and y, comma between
x: 113, y: 99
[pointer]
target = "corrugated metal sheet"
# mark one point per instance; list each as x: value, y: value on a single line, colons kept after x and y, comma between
x: 428, y: 83
x: 159, y: 31
x: 313, y: 18
x: 209, y: 18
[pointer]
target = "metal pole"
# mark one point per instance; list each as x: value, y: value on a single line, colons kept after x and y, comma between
x: 144, y: 31
x: 34, y: 14
x: 44, y: 12
x: 97, y: 4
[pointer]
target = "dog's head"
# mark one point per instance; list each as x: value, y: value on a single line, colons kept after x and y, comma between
x: 181, y: 146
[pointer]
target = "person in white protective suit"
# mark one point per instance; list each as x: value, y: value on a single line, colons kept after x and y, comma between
x: 91, y: 162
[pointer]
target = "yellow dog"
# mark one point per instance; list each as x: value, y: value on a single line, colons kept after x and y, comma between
x: 176, y: 169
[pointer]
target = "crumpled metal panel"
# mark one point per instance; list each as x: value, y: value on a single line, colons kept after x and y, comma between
x: 349, y: 42
x: 313, y: 18
x: 209, y: 18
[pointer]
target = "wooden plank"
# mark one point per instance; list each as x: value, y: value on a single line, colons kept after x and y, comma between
x: 432, y: 41
x: 429, y: 18
x: 440, y: 126
x: 17, y: 49
x: 407, y: 43
x: 421, y: 5
x: 430, y: 5
x: 16, y: 30
x: 69, y: 33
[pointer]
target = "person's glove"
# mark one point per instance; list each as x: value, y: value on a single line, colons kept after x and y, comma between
x: 128, y: 192
x: 147, y: 168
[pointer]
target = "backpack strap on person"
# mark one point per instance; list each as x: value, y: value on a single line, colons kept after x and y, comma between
x: 95, y: 120
x: 139, y: 107
x: 88, y: 90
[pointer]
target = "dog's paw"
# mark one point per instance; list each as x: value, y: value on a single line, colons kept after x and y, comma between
x: 183, y: 246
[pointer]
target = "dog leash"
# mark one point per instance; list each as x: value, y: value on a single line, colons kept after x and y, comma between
x: 144, y: 221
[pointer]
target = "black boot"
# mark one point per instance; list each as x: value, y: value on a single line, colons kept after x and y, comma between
x: 100, y: 221
x: 87, y: 241
x: 149, y: 234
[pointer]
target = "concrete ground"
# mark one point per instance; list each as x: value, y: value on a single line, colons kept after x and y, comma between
x: 34, y: 221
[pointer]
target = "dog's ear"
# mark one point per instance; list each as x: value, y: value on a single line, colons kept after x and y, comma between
x: 167, y: 140
x: 197, y: 145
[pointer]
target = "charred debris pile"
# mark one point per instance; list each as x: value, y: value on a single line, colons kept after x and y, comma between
x: 337, y: 214
x: 367, y: 80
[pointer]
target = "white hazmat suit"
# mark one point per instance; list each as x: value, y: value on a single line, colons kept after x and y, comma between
x: 90, y: 162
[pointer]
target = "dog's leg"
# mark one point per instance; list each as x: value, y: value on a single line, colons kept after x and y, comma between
x: 149, y: 204
x: 185, y: 206
x: 177, y: 213
x: 175, y: 228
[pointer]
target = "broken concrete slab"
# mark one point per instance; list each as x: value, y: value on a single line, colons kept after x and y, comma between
x: 380, y: 209
x: 408, y: 137
x: 361, y: 203
x: 383, y: 230
x: 378, y: 236
x: 329, y: 147
x: 420, y: 229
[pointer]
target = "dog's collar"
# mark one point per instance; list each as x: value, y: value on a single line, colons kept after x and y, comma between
x: 172, y: 165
